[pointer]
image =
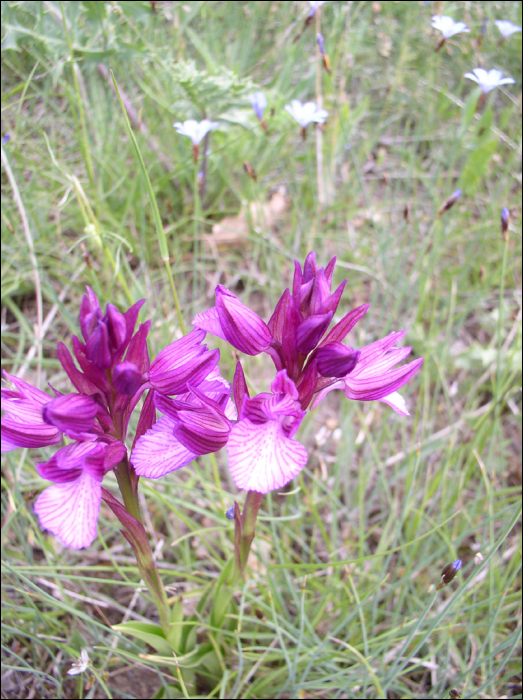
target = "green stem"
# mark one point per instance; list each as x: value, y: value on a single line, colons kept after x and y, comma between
x: 126, y: 479
x: 244, y: 534
x: 500, y: 315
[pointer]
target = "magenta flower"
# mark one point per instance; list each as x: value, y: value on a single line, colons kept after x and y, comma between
x: 310, y: 361
x: 69, y: 508
x: 34, y: 419
x: 262, y: 455
x: 114, y: 373
x: 373, y: 377
x: 195, y: 423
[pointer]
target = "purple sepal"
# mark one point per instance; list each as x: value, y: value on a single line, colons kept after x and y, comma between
x: 242, y: 328
x: 310, y: 331
x: 127, y: 378
x: 177, y: 353
x: 147, y: 417
x: 72, y: 413
x: 114, y: 454
x: 91, y: 371
x: 239, y: 387
x: 137, y: 351
x: 80, y: 382
x: 336, y: 360
x: 90, y: 313
x: 194, y: 372
x: 310, y: 268
x: 343, y: 327
x: 331, y: 303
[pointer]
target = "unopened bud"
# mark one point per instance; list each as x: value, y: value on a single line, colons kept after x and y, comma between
x: 448, y: 573
x: 126, y: 378
x: 448, y: 203
x: 229, y: 513
x: 478, y: 558
x: 505, y: 217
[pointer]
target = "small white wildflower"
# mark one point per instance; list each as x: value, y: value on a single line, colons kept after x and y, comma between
x: 488, y: 80
x: 306, y: 113
x: 80, y: 665
x: 195, y: 130
x: 506, y: 28
x: 447, y: 26
x: 478, y: 558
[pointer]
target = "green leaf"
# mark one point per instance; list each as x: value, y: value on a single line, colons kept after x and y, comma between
x: 175, y: 631
x: 147, y: 632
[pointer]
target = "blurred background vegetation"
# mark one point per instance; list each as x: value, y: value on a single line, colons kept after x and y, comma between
x: 338, y: 601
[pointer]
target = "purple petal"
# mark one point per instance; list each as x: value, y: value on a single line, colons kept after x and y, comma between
x: 70, y: 510
x: 179, y: 352
x: 116, y: 327
x: 209, y: 322
x: 336, y: 360
x: 310, y: 331
x: 321, y: 291
x: 262, y: 458
x: 127, y: 378
x: 239, y: 387
x: 194, y: 372
x: 242, y: 328
x: 372, y: 388
x: 158, y: 452
x: 96, y: 375
x: 74, y: 413
x: 330, y: 269
x: 283, y: 385
x: 27, y: 390
x: 24, y: 434
x: 331, y: 304
x: 297, y: 280
x: 114, y: 454
x: 318, y: 398
x: 347, y: 323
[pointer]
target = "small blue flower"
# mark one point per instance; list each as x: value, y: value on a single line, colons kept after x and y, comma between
x: 321, y: 43
x: 448, y: 573
x: 229, y: 513
x: 6, y: 138
x: 258, y: 102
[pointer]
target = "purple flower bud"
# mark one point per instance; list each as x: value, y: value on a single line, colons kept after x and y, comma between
x: 321, y: 43
x: 6, y: 138
x: 258, y: 102
x: 448, y: 573
x: 97, y: 347
x: 505, y: 216
x: 336, y: 360
x: 229, y: 513
x: 126, y: 378
x: 448, y: 203
x: 116, y: 327
x: 72, y: 413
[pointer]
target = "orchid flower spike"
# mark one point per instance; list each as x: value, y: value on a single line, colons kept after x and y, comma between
x: 506, y: 28
x: 488, y: 80
x: 447, y: 26
x: 195, y: 131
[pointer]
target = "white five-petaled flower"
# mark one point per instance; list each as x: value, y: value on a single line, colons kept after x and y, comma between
x: 488, y: 80
x: 306, y: 113
x: 447, y: 26
x: 506, y: 28
x: 195, y: 130
x: 80, y: 665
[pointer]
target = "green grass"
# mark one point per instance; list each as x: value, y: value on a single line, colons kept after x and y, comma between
x: 338, y: 601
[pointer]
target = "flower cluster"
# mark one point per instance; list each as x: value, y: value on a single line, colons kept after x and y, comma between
x: 309, y: 360
x: 114, y: 373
